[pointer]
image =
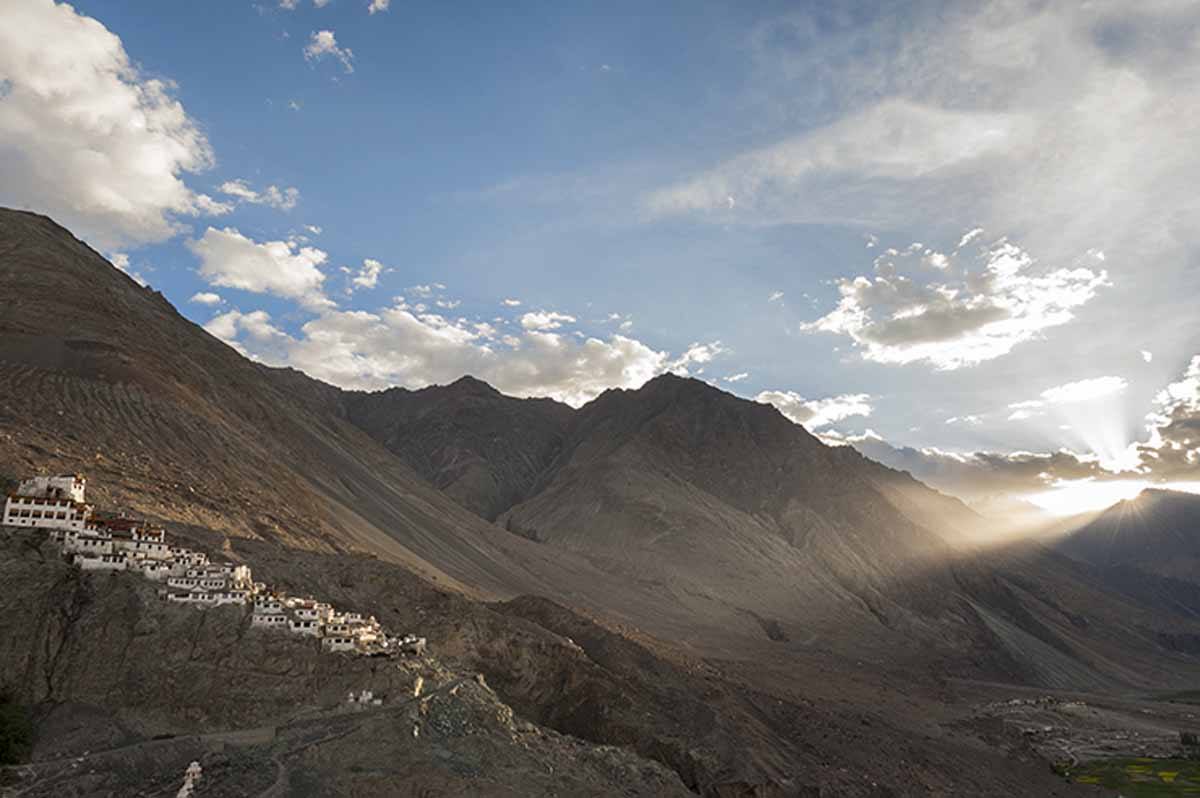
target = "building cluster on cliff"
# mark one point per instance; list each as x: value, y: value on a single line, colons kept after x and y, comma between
x: 95, y: 542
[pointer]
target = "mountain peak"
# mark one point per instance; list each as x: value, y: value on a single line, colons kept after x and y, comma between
x: 467, y: 384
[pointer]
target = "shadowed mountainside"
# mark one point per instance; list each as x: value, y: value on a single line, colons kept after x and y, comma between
x: 482, y: 448
x: 1158, y: 531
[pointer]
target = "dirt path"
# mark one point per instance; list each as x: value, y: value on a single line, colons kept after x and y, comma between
x: 258, y: 735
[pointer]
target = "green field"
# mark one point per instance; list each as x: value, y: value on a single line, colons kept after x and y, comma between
x: 1140, y: 778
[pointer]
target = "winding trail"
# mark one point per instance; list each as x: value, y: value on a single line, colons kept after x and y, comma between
x: 257, y: 735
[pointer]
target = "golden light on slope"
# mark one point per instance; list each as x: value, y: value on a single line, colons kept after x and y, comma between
x: 1070, y: 497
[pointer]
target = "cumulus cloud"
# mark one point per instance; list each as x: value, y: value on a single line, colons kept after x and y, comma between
x: 367, y: 275
x: 121, y: 261
x: 256, y: 327
x: 282, y: 268
x: 697, y: 354
x: 816, y: 413
x: 89, y: 139
x: 977, y: 307
x: 378, y: 5
x: 323, y: 43
x: 545, y: 320
x: 283, y: 199
x: 1066, y: 126
x: 979, y: 475
x: 1173, y: 446
x: 206, y: 298
x: 400, y: 345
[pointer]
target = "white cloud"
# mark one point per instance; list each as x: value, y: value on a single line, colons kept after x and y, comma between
x: 1066, y: 126
x: 1084, y: 390
x: 893, y: 140
x: 378, y: 5
x: 401, y: 346
x: 255, y: 327
x: 288, y: 5
x: 697, y: 354
x: 323, y: 43
x: 121, y: 261
x: 972, y: 419
x: 969, y: 236
x: 775, y: 296
x: 321, y: 3
x: 1173, y: 447
x: 512, y: 303
x: 543, y: 320
x: 816, y: 413
x: 283, y: 268
x: 1069, y: 393
x: 89, y: 139
x: 283, y: 199
x: 1147, y: 355
x: 206, y: 298
x: 368, y: 274
x: 741, y: 375
x: 979, y: 308
x: 981, y: 474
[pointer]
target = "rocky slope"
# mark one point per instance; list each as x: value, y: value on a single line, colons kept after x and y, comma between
x: 104, y: 377
x: 478, y: 446
x: 109, y: 667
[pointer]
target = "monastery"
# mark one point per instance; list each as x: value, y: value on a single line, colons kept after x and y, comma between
x: 101, y: 543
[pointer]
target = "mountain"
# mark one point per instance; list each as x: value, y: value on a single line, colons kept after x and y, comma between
x: 727, y: 508
x: 1157, y: 531
x: 671, y: 569
x: 104, y: 377
x: 482, y: 448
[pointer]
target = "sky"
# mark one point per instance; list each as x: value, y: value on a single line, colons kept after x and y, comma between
x: 962, y: 236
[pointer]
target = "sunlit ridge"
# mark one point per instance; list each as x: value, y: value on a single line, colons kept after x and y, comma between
x: 1068, y: 497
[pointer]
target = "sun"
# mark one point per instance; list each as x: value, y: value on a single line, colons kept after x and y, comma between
x: 1072, y: 497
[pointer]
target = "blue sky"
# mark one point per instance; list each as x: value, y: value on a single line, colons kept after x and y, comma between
x: 693, y: 187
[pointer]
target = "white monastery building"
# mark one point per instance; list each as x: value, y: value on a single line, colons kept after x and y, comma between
x: 49, y: 503
x: 102, y: 543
